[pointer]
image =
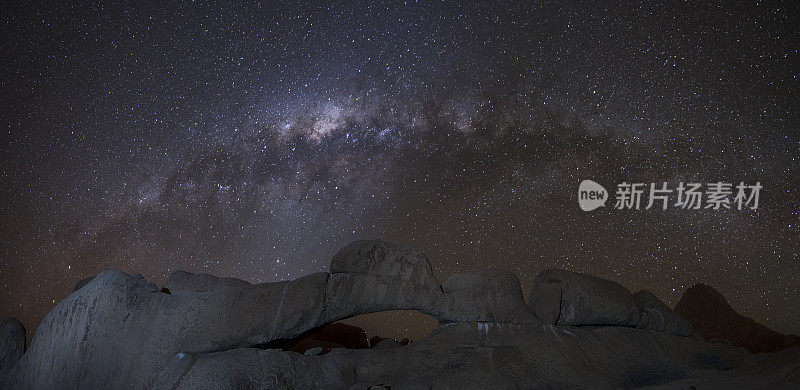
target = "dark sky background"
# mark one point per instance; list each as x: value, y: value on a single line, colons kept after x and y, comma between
x: 253, y: 141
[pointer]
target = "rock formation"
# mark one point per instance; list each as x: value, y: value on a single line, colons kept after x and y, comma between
x: 12, y: 345
x: 374, y: 340
x: 494, y: 296
x: 713, y: 318
x: 655, y: 315
x: 121, y: 331
x: 562, y: 297
x: 387, y: 344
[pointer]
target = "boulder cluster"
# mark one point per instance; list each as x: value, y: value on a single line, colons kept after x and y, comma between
x: 120, y: 331
x: 562, y: 297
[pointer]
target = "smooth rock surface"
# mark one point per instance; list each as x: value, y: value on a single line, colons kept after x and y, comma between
x: 78, y: 343
x: 372, y: 276
x: 569, y: 298
x: 120, y: 312
x: 186, y: 281
x: 494, y: 296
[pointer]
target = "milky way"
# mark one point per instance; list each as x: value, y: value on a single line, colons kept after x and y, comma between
x: 254, y: 141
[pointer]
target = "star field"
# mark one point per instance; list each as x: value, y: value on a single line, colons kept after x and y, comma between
x: 254, y: 140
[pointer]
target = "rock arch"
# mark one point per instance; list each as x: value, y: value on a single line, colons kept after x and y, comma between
x: 204, y: 314
x: 123, y: 327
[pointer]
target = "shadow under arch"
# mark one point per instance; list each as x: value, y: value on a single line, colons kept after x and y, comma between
x: 362, y: 331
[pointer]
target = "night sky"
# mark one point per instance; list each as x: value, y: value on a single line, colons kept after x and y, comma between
x: 253, y: 141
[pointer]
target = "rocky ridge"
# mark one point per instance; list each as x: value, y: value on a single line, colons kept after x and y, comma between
x: 714, y: 319
x: 199, y: 331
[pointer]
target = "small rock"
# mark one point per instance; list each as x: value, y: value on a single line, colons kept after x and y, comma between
x: 387, y: 344
x: 374, y: 340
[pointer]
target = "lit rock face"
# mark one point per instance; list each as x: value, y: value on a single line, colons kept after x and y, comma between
x: 95, y: 329
x: 116, y: 312
x: 562, y: 297
x: 121, y: 331
x: 494, y: 296
x: 372, y: 276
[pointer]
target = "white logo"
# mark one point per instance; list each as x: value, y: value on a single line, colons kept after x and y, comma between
x: 591, y: 195
x: 717, y: 196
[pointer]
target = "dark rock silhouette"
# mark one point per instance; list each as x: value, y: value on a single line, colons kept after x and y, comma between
x: 374, y: 340
x: 82, y: 283
x: 388, y: 344
x: 12, y: 345
x: 121, y: 331
x: 712, y: 316
x: 336, y: 335
x: 385, y: 343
